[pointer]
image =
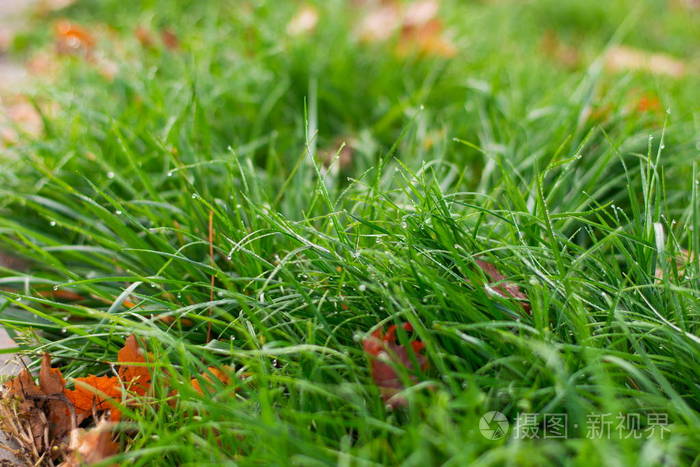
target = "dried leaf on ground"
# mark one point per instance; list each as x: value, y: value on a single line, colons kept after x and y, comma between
x: 387, y: 355
x: 53, y: 385
x: 144, y: 36
x: 137, y: 378
x: 681, y: 260
x: 339, y: 151
x: 221, y: 375
x: 170, y: 39
x: 91, y: 446
x: 94, y: 394
x: 622, y: 58
x: 502, y: 286
x: 419, y: 29
x: 37, y: 416
x: 304, y: 21
x: 18, y: 117
x: 73, y: 39
x: 379, y: 23
x: 560, y: 52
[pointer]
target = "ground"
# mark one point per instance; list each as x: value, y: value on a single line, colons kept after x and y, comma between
x: 361, y: 232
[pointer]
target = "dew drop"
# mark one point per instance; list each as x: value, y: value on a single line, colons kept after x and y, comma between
x: 52, y: 223
x: 110, y: 175
x: 362, y: 287
x: 170, y: 174
x: 195, y: 196
x: 118, y: 212
x: 55, y: 287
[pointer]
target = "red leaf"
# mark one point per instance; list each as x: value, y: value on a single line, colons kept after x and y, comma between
x: 502, y: 287
x: 386, y: 356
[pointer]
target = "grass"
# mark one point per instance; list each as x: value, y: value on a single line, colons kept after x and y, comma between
x: 490, y: 154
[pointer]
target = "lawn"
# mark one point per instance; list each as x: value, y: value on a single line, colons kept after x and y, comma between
x: 258, y: 190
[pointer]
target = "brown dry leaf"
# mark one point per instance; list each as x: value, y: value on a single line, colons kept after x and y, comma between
x: 36, y: 416
x: 420, y: 30
x: 426, y: 39
x: 304, y: 21
x: 502, y: 287
x: 340, y: 150
x: 91, y: 446
x: 53, y: 385
x: 12, y: 262
x: 682, y: 260
x: 18, y: 117
x: 553, y: 47
x: 623, y: 58
x: 380, y: 23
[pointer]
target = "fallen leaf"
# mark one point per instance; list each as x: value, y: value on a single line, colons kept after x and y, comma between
x: 170, y: 39
x: 19, y: 117
x: 72, y: 39
x: 380, y: 23
x: 221, y: 375
x: 386, y: 355
x: 304, y: 20
x: 136, y: 378
x: 12, y: 262
x: 420, y: 30
x: 554, y: 48
x: 682, y: 260
x: 36, y: 416
x: 144, y: 36
x: 502, y: 287
x: 53, y: 385
x: 91, y: 446
x: 339, y: 151
x: 622, y: 58
x: 426, y: 39
x: 94, y: 394
x: 648, y: 103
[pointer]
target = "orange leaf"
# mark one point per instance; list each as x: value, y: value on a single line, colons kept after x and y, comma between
x: 73, y: 39
x: 94, y: 394
x: 220, y: 375
x: 135, y: 378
